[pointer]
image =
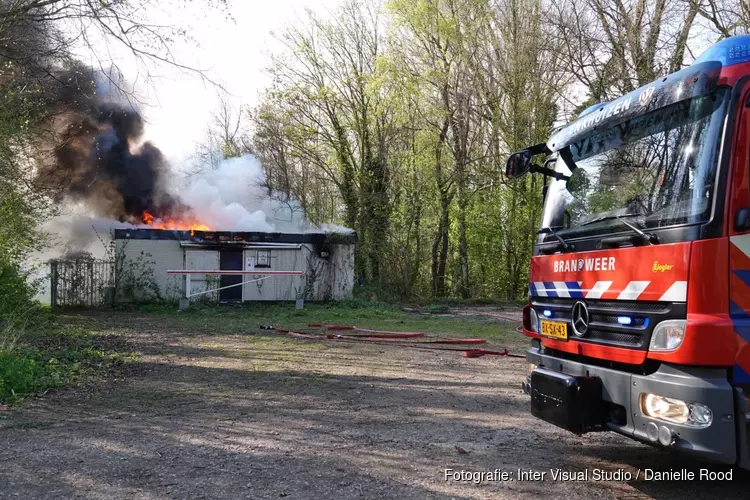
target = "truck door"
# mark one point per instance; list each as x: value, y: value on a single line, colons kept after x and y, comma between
x: 738, y: 225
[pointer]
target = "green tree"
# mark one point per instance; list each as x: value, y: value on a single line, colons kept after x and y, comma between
x: 328, y: 109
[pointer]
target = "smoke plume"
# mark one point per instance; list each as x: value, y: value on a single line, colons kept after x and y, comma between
x: 232, y: 196
x: 95, y: 153
x: 96, y: 158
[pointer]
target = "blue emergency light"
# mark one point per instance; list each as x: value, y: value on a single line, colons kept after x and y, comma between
x: 624, y: 320
x: 547, y: 313
x: 732, y: 50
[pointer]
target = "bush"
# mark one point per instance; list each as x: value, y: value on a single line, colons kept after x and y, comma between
x: 19, y: 310
x: 55, y: 357
x: 16, y: 292
x: 18, y: 375
x: 17, y: 289
x: 36, y: 353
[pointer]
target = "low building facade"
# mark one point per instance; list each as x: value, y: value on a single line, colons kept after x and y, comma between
x: 148, y: 264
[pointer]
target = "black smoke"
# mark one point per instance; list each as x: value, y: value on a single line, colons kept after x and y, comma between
x: 95, y: 151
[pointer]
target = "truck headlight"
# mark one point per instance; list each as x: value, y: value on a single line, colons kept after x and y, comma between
x: 668, y: 335
x: 534, y: 320
x: 676, y: 410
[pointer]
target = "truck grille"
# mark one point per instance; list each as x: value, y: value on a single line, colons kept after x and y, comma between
x: 604, y: 328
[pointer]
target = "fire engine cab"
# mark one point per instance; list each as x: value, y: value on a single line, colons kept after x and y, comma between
x: 639, y: 308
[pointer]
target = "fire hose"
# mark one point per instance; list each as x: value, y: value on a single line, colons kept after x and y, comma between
x: 393, y: 338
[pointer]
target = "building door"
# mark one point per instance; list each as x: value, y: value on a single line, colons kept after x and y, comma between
x: 230, y: 260
x: 208, y: 260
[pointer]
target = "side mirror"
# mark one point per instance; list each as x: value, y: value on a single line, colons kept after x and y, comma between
x: 518, y: 164
x: 742, y: 219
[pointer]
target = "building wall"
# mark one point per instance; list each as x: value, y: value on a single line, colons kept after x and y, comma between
x: 204, y: 260
x: 141, y: 269
x: 275, y: 287
x: 330, y: 278
x: 342, y: 268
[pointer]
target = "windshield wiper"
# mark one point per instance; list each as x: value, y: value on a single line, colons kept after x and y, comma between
x: 610, y: 217
x: 564, y: 244
x: 651, y: 239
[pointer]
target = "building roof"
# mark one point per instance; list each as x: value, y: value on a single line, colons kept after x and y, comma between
x: 234, y: 237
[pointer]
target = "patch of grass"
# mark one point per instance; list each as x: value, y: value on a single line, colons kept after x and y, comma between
x: 159, y: 308
x: 18, y: 374
x: 245, y: 319
x: 436, y: 308
x: 56, y: 357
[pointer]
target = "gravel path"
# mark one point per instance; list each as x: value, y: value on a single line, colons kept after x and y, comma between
x: 254, y: 416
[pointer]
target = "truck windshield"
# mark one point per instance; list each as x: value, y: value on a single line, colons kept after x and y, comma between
x: 657, y: 169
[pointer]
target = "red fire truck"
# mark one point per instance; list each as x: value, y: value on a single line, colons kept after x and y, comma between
x: 639, y: 308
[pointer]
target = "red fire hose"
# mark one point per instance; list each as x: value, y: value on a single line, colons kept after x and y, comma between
x: 385, y: 334
x: 386, y: 337
x: 363, y: 330
x: 477, y: 353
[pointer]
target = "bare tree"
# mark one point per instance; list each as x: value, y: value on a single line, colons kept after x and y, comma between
x: 50, y: 99
x: 227, y: 127
x: 226, y: 136
x: 615, y: 46
x: 726, y: 17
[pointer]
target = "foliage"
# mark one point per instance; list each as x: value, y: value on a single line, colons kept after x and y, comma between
x: 19, y: 374
x: 396, y: 122
x: 56, y: 357
x: 247, y: 318
x: 16, y: 293
x: 134, y: 277
x: 18, y: 308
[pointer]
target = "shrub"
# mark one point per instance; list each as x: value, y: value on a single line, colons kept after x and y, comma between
x: 56, y: 357
x: 19, y: 375
x: 18, y: 308
x: 16, y: 292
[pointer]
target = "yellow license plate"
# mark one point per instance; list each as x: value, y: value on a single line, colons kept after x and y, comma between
x: 555, y: 329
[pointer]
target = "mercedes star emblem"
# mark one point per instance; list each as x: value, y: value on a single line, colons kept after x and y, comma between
x: 580, y: 320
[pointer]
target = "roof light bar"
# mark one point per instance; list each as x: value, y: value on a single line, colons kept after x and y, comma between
x: 730, y: 51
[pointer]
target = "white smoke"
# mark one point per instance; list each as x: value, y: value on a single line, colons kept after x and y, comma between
x: 229, y: 198
x: 233, y: 198
x: 78, y: 231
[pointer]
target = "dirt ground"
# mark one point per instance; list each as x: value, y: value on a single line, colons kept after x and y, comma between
x: 251, y: 415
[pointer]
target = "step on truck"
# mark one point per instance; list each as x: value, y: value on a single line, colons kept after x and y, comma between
x: 639, y: 293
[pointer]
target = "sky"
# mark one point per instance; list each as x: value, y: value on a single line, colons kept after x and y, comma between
x: 233, y: 52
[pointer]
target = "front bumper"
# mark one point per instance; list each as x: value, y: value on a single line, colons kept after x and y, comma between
x: 708, y: 386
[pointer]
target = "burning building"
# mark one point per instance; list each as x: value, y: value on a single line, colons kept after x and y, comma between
x: 312, y: 266
x: 167, y: 233
x: 186, y: 253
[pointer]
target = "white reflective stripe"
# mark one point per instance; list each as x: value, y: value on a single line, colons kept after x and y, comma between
x: 598, y: 289
x: 561, y: 288
x: 633, y: 290
x: 742, y: 242
x: 676, y: 293
x: 540, y: 290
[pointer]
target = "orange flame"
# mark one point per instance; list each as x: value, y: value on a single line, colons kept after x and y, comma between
x: 170, y: 222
